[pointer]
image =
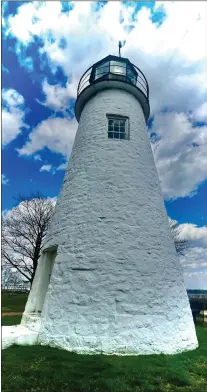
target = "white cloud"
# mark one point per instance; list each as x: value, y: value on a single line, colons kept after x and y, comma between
x: 4, y: 69
x: 53, y: 200
x: 47, y: 168
x: 63, y: 166
x: 12, y: 115
x: 55, y: 133
x: 197, y: 235
x: 195, y: 280
x: 4, y: 213
x: 200, y: 114
x: 180, y: 154
x: 12, y: 98
x: 4, y: 179
x: 194, y: 262
x: 173, y: 60
x: 57, y: 97
x: 37, y: 157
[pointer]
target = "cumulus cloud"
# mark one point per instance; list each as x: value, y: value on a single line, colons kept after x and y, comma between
x: 4, y: 179
x: 196, y: 235
x: 12, y: 115
x: 47, y: 168
x: 180, y: 152
x: 57, y: 98
x: 195, y: 280
x: 57, y: 134
x: 37, y: 157
x: 173, y: 60
x: 53, y: 169
x: 62, y: 166
x: 200, y: 114
x: 4, y: 69
x: 194, y: 262
x: 53, y: 200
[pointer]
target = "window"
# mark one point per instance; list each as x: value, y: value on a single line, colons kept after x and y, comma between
x: 131, y: 76
x: 102, y: 70
x: 118, y: 67
x: 118, y: 127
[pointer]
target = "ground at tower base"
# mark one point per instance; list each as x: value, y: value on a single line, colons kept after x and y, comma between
x: 46, y: 369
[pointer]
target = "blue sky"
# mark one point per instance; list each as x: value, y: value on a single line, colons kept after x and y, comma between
x: 43, y: 59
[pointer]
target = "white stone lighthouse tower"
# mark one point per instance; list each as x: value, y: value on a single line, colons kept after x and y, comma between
x: 109, y: 280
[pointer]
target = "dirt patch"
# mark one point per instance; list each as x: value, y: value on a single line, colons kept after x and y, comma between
x: 11, y: 314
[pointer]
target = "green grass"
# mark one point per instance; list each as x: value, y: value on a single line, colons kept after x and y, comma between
x: 46, y: 369
x: 10, y: 320
x: 13, y: 302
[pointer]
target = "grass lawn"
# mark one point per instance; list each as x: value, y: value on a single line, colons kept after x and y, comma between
x: 10, y: 320
x: 46, y: 369
x: 13, y: 302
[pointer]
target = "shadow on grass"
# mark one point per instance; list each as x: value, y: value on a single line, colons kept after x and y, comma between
x: 40, y: 368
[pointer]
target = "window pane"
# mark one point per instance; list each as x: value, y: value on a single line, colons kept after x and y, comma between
x: 118, y: 67
x: 103, y: 69
x: 117, y: 128
x: 112, y: 62
x: 118, y: 70
x: 131, y: 75
x: 106, y: 64
x: 118, y: 63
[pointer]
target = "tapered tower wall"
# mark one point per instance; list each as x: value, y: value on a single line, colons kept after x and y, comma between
x: 116, y: 285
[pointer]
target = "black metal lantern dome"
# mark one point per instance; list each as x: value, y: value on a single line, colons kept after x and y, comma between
x: 113, y: 72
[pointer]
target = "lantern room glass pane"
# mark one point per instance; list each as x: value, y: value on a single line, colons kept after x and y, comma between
x: 131, y: 76
x: 102, y: 70
x: 118, y: 67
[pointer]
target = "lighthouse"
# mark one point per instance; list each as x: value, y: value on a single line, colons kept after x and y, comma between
x: 109, y: 280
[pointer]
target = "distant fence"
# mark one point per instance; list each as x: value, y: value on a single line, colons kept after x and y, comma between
x: 21, y: 288
x: 198, y: 304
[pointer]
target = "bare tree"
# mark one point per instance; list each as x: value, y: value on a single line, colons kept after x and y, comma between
x: 180, y: 244
x: 9, y: 277
x: 23, y: 232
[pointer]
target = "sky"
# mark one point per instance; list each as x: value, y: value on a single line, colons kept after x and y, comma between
x: 47, y: 46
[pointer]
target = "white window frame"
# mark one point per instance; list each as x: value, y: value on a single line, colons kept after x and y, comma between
x: 117, y: 117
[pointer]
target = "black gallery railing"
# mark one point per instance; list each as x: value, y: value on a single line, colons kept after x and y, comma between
x: 128, y: 74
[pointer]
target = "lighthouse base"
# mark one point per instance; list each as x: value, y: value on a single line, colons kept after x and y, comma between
x: 144, y: 340
x: 18, y: 335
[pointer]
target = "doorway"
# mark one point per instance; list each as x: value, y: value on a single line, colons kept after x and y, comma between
x: 41, y: 282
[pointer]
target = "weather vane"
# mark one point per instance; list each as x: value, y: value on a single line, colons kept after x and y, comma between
x: 120, y: 46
